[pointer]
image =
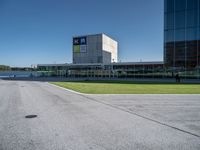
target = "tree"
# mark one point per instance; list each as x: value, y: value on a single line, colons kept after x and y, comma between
x: 4, y: 68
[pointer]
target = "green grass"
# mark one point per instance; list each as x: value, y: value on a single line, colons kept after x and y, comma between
x: 124, y: 87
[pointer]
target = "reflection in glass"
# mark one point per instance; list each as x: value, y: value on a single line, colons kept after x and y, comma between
x: 182, y: 34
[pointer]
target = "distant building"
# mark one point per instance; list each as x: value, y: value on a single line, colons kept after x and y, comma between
x: 119, y: 70
x: 97, y: 55
x: 182, y: 34
x: 98, y: 48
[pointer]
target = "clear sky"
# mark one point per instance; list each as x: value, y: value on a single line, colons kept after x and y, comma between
x: 40, y: 31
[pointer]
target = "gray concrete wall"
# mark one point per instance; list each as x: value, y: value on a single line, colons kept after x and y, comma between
x: 93, y: 53
x: 100, y: 49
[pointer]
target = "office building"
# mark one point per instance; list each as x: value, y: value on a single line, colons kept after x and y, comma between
x: 182, y: 34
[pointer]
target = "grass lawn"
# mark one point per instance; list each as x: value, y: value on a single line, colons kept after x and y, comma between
x: 124, y: 87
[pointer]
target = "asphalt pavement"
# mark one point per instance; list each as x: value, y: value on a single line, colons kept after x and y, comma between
x: 67, y: 120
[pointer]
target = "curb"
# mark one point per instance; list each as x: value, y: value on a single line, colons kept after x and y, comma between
x: 72, y: 91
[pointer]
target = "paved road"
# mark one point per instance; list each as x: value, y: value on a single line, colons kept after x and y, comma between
x: 70, y: 121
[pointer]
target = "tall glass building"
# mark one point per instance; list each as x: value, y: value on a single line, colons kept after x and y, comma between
x: 182, y: 34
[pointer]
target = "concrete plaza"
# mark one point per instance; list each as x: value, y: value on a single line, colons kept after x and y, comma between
x: 74, y: 121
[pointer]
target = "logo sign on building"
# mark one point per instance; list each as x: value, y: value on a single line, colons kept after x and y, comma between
x: 83, y: 41
x: 83, y: 49
x: 80, y: 45
x: 76, y: 41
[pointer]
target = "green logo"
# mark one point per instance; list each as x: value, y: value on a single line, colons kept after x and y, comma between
x: 76, y: 48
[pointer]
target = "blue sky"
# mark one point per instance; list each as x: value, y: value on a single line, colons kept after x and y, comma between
x: 40, y: 31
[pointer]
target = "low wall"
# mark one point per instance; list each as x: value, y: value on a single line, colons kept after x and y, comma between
x: 6, y: 74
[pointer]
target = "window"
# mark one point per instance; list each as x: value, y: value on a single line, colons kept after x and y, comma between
x: 191, y: 34
x: 169, y: 36
x: 192, y: 19
x: 169, y: 22
x: 192, y: 4
x: 180, y: 35
x: 180, y: 5
x: 170, y: 5
x: 180, y: 19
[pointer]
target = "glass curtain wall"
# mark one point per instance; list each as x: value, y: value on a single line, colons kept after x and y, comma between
x: 182, y: 36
